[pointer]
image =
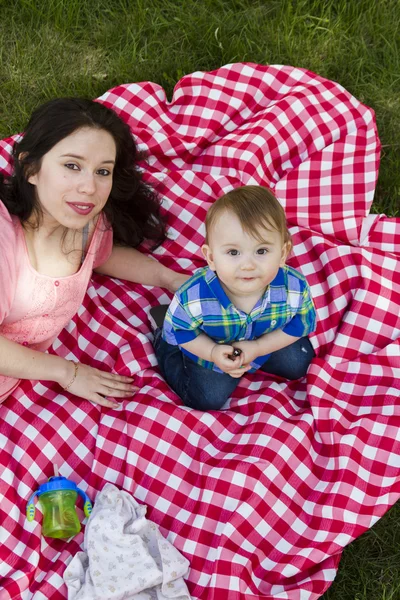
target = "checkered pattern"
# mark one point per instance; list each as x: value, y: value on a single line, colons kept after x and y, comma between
x: 261, y: 497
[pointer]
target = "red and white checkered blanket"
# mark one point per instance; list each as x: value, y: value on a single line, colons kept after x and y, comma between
x: 263, y: 496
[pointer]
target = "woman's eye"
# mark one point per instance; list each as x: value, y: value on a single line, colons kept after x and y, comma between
x: 262, y: 251
x: 233, y: 252
x: 104, y: 172
x: 72, y: 166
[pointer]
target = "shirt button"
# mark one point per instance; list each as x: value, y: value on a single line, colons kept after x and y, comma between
x: 273, y: 322
x: 24, y: 343
x: 56, y: 283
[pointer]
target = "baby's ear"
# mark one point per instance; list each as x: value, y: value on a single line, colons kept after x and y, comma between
x: 206, y: 250
x: 286, y: 249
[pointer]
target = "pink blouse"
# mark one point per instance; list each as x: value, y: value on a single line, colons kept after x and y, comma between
x: 34, y: 308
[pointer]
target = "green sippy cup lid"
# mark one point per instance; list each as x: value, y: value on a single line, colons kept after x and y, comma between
x: 57, y: 483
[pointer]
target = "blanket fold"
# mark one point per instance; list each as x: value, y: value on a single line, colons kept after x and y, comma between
x: 125, y: 557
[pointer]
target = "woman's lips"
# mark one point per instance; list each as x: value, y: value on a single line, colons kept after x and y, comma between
x: 81, y: 208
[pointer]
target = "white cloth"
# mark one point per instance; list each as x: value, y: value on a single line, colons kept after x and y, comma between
x: 125, y: 556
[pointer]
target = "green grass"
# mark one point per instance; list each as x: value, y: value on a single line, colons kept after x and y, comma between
x: 370, y: 566
x: 83, y: 47
x: 53, y: 48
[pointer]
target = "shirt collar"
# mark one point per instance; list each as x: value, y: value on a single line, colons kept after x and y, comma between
x: 215, y: 286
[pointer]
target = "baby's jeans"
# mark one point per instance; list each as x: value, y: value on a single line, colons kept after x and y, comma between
x: 204, y: 389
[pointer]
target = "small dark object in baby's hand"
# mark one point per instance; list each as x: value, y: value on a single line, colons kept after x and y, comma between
x: 237, y: 352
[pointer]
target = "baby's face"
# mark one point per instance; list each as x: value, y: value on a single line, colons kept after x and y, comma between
x: 245, y: 265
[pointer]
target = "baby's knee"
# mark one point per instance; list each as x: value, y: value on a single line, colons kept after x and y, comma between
x: 206, y: 402
x: 205, y: 396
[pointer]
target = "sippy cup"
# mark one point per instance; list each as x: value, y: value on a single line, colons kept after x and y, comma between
x: 58, y: 497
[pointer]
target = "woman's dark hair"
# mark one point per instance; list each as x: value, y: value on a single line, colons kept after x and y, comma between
x: 133, y: 208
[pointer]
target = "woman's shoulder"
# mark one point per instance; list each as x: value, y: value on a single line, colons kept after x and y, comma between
x: 8, y: 234
x: 9, y: 260
x: 4, y: 214
x: 101, y: 241
x: 102, y: 230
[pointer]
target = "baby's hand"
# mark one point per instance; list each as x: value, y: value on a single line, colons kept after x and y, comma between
x: 236, y: 352
x: 249, y: 350
x: 221, y: 355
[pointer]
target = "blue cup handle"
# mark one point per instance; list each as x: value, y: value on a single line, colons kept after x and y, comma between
x: 87, y: 506
x: 30, y: 508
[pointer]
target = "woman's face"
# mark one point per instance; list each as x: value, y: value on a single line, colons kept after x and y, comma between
x: 75, y: 178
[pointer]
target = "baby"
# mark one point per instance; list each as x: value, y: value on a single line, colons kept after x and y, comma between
x: 246, y: 310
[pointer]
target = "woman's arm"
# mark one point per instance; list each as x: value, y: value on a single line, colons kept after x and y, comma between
x: 132, y: 265
x: 21, y: 362
x: 92, y: 384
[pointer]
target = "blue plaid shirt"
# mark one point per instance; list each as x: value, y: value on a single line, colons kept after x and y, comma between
x: 202, y: 306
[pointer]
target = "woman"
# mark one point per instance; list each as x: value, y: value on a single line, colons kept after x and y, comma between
x: 76, y: 202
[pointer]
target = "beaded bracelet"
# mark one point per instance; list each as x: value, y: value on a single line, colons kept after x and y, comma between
x: 76, y: 365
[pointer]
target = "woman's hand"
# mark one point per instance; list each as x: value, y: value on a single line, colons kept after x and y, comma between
x: 220, y: 354
x: 94, y: 385
x: 175, y: 280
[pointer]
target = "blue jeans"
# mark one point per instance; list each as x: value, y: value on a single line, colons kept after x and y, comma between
x: 204, y: 389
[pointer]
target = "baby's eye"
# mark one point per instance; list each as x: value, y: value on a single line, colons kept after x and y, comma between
x: 104, y: 172
x: 72, y: 166
x: 262, y: 251
x: 233, y: 252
